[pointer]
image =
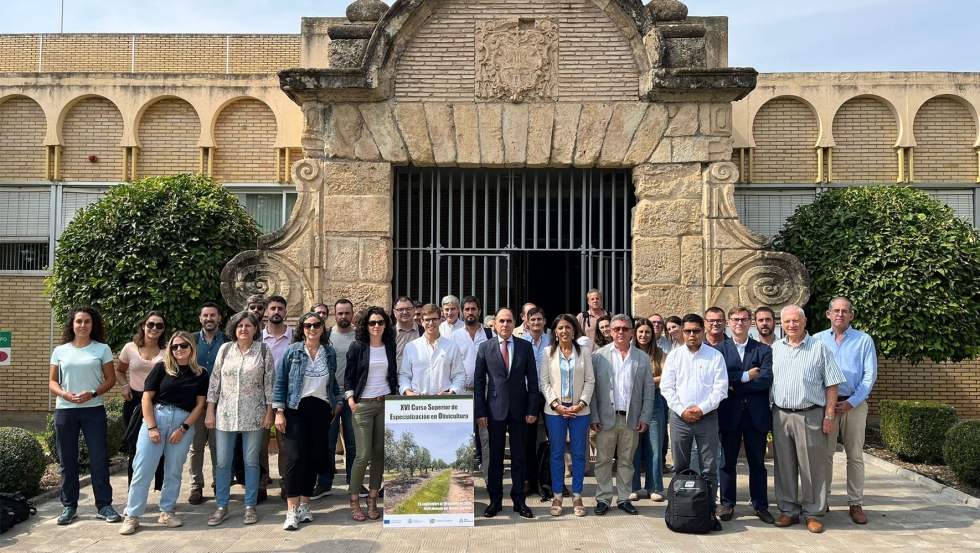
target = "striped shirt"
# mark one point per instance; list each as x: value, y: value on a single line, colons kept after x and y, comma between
x: 801, y: 375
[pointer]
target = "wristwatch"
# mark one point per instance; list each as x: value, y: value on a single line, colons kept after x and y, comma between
x: 95, y: 393
x: 185, y: 427
x: 554, y: 405
x: 826, y: 418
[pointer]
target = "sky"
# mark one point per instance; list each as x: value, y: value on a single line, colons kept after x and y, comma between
x: 442, y: 441
x: 769, y: 35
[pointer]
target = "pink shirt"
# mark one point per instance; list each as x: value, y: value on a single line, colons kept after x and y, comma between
x: 139, y: 368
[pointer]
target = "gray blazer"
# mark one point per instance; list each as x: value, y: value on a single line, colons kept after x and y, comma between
x: 640, y: 406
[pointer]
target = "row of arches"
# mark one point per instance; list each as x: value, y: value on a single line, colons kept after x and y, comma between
x: 168, y: 139
x: 865, y: 136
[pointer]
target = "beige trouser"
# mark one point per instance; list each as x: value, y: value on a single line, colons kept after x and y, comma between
x: 800, y: 462
x: 608, y: 440
x: 850, y: 426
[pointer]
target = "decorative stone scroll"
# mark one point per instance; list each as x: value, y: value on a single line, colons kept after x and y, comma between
x: 516, y: 60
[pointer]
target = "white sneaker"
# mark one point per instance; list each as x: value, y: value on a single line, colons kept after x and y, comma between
x: 170, y: 519
x: 292, y: 520
x: 304, y: 513
x: 634, y: 496
x: 129, y: 525
x: 656, y: 496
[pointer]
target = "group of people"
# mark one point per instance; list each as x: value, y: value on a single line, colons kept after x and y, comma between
x: 626, y: 384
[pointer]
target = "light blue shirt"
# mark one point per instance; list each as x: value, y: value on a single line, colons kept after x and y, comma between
x: 80, y: 370
x: 538, y: 350
x: 567, y: 367
x: 857, y: 359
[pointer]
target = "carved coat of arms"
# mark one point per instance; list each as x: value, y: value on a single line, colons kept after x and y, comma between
x: 516, y: 60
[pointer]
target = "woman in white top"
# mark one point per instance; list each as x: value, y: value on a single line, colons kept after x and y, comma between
x: 136, y: 360
x: 371, y: 375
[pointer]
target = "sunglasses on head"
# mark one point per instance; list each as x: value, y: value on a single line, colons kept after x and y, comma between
x: 312, y: 326
x: 179, y: 345
x: 160, y: 326
x: 375, y: 323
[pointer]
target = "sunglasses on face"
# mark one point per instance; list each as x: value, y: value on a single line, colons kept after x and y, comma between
x: 179, y: 345
x: 692, y: 331
x: 375, y: 323
x: 151, y: 326
x: 620, y: 329
x: 313, y: 326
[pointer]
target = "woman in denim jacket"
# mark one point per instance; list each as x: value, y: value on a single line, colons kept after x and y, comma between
x: 306, y: 399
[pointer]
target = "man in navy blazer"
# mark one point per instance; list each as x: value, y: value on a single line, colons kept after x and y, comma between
x: 745, y: 414
x: 505, y: 400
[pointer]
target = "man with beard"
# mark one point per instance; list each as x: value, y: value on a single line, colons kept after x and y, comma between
x: 255, y: 304
x: 469, y: 339
x: 277, y: 335
x: 209, y: 341
x: 765, y: 323
x: 341, y: 336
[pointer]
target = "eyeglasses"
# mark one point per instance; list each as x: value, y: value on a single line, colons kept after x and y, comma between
x: 404, y: 309
x: 692, y: 331
x: 429, y: 321
x: 715, y: 321
x: 160, y: 326
x: 739, y: 320
x: 375, y: 323
x: 840, y: 311
x: 313, y: 326
x: 179, y: 345
x: 620, y: 329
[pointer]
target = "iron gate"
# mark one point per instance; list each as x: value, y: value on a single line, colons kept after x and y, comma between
x: 513, y: 235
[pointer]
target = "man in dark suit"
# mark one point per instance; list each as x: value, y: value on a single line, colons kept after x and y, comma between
x: 505, y: 400
x: 745, y: 414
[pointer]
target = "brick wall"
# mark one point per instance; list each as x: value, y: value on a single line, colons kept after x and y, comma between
x: 169, y: 132
x: 22, y: 127
x: 957, y: 384
x: 245, y: 135
x: 93, y: 126
x: 595, y: 60
x: 172, y: 53
x: 944, y: 131
x: 785, y: 133
x: 865, y: 131
x: 25, y: 311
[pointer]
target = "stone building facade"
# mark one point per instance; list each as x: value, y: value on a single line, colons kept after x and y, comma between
x: 365, y: 104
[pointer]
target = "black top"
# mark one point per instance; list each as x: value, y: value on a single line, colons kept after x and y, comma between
x: 181, y: 391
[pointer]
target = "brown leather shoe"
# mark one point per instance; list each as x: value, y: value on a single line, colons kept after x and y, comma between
x: 785, y: 520
x: 725, y: 512
x: 197, y: 497
x: 814, y: 525
x: 857, y: 515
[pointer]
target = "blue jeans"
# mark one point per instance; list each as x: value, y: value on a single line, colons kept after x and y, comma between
x: 577, y: 430
x: 649, y: 449
x: 350, y: 448
x: 168, y: 419
x: 251, y: 445
x: 93, y: 423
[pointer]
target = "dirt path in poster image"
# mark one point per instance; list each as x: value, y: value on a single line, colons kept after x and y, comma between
x: 460, y: 491
x: 400, y: 489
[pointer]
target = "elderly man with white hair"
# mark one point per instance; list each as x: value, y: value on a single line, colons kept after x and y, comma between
x: 803, y: 394
x: 450, y: 310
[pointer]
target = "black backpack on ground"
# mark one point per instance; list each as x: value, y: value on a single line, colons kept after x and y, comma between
x: 689, y: 504
x: 14, y: 508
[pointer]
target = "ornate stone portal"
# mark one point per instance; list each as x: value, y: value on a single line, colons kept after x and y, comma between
x: 674, y: 131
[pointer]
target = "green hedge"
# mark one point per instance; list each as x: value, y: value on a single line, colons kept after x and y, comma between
x: 916, y: 430
x: 22, y: 462
x: 962, y: 451
x: 115, y: 437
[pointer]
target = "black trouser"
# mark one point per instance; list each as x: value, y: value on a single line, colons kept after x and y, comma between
x: 517, y: 427
x: 306, y: 437
x: 91, y: 421
x: 130, y: 407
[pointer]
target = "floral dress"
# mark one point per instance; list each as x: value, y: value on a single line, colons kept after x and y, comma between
x: 241, y: 386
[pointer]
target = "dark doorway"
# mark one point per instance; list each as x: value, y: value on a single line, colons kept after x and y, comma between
x: 550, y: 280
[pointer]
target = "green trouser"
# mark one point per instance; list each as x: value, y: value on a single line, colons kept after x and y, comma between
x: 369, y: 429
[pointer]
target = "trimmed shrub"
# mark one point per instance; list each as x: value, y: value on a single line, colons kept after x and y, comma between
x: 916, y: 430
x: 905, y: 260
x: 155, y: 244
x: 962, y: 451
x: 22, y: 462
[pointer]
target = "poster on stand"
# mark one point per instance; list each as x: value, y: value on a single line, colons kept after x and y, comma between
x: 429, y: 456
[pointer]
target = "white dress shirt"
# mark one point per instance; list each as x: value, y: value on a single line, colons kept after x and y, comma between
x: 741, y: 355
x: 622, y: 379
x: 467, y: 347
x: 694, y: 379
x: 446, y: 330
x: 430, y: 369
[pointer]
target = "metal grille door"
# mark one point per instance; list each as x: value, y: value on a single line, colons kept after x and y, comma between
x: 510, y: 236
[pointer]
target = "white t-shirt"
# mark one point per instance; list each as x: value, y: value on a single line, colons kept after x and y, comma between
x: 80, y: 370
x: 377, y: 380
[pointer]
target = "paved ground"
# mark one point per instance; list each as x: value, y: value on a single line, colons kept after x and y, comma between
x: 902, y: 514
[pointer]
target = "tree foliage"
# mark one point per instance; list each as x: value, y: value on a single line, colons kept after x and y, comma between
x: 466, y: 456
x: 908, y: 264
x: 155, y: 244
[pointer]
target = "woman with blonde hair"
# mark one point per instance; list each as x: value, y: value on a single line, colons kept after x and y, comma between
x: 173, y: 399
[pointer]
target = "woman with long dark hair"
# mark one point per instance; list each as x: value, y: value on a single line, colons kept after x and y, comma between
x: 173, y: 399
x: 306, y: 399
x: 651, y: 441
x: 371, y: 375
x: 136, y: 360
x: 566, y: 380
x: 602, y: 336
x: 81, y: 372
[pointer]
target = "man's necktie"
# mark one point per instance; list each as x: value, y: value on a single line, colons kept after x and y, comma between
x: 506, y: 354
